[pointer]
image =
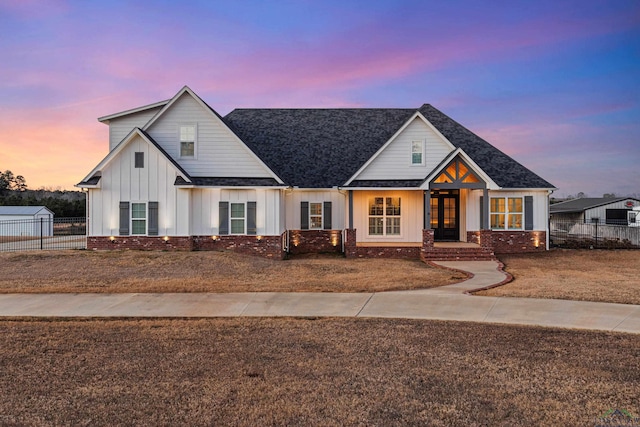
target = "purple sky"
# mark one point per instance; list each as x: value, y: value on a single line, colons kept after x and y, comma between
x: 555, y: 84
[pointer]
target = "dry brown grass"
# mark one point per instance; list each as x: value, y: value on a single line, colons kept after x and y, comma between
x: 11, y: 239
x: 586, y: 275
x: 327, y: 372
x: 139, y: 271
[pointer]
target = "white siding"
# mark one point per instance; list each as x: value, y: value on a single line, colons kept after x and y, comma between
x: 601, y: 211
x: 122, y: 126
x: 121, y: 181
x: 218, y: 152
x: 411, y: 209
x: 205, y: 209
x: 338, y: 206
x: 540, y: 211
x: 395, y: 161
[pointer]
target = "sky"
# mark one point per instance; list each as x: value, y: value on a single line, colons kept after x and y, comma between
x: 554, y: 84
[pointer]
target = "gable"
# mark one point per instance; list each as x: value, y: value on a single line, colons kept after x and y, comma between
x: 394, y: 160
x: 218, y: 151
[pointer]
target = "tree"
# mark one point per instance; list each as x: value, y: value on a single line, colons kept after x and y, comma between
x: 581, y: 195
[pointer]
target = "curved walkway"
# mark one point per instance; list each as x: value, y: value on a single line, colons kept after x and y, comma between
x: 452, y: 302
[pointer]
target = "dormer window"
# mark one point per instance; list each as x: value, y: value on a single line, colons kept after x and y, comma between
x: 187, y: 141
x: 417, y: 153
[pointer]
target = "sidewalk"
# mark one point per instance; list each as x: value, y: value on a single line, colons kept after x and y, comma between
x: 450, y: 302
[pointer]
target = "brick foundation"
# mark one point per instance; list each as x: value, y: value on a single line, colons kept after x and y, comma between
x: 266, y: 246
x: 315, y: 241
x: 503, y: 242
x: 145, y: 243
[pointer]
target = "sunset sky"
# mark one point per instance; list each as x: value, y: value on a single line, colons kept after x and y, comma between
x: 555, y: 84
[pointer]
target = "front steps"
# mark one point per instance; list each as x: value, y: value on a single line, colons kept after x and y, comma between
x: 453, y: 253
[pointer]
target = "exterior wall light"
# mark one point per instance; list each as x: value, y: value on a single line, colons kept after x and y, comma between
x: 166, y: 239
x: 259, y: 238
x: 112, y: 239
x: 214, y: 238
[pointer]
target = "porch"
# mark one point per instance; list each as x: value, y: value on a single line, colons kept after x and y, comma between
x: 427, y: 250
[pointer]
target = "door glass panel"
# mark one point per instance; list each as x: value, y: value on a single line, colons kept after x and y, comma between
x: 434, y: 213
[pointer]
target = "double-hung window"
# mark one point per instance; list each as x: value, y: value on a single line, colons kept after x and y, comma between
x: 384, y: 216
x: 187, y: 141
x: 138, y: 218
x: 507, y: 213
x: 315, y: 216
x: 417, y: 153
x: 237, y: 218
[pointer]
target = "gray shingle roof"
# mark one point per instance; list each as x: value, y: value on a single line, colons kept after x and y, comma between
x: 323, y: 148
x: 316, y: 148
x: 228, y: 182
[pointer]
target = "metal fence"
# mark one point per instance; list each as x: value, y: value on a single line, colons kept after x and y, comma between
x: 43, y: 234
x: 572, y: 234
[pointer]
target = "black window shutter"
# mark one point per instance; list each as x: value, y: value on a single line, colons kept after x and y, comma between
x: 304, y: 215
x: 223, y: 215
x: 528, y: 212
x: 327, y: 216
x: 481, y: 212
x: 153, y: 219
x: 251, y: 218
x: 124, y: 218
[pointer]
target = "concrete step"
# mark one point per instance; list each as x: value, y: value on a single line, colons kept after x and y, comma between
x: 459, y: 254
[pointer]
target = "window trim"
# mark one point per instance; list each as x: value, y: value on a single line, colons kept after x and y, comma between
x: 145, y: 219
x: 507, y: 213
x: 384, y: 217
x: 321, y: 227
x: 195, y: 140
x: 244, y: 218
x: 422, y: 152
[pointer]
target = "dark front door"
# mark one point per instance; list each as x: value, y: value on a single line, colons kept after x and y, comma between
x: 445, y: 215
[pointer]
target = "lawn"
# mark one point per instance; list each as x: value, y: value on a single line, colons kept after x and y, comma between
x: 585, y: 275
x: 156, y: 271
x: 328, y: 372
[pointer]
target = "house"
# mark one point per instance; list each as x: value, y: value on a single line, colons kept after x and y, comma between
x: 401, y: 182
x: 611, y: 211
x: 26, y: 221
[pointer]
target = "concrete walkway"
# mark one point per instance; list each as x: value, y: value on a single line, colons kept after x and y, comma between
x: 452, y: 302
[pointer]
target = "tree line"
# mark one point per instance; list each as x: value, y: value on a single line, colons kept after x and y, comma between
x: 64, y: 204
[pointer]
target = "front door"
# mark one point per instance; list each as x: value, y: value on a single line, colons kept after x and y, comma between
x: 445, y: 215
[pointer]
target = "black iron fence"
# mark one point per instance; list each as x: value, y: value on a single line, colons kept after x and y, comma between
x: 572, y: 234
x: 43, y: 234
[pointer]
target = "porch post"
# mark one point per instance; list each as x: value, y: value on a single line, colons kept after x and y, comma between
x: 485, y: 209
x: 350, y: 209
x: 427, y: 210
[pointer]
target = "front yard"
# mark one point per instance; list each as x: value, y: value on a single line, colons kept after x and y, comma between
x: 584, y: 275
x: 139, y: 271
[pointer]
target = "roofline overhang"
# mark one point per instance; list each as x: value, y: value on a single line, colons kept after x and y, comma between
x: 237, y: 187
x: 490, y: 183
x: 382, y: 188
x: 106, y: 119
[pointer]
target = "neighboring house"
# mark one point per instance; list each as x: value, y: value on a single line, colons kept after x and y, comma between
x: 366, y: 182
x: 26, y: 221
x: 612, y: 211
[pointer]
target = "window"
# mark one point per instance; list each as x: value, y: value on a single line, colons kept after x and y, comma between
x: 384, y: 216
x: 187, y: 141
x: 138, y: 218
x: 237, y: 218
x: 315, y: 216
x: 139, y: 159
x: 417, y: 153
x: 506, y: 213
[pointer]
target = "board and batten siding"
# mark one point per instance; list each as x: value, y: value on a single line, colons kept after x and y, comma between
x: 295, y: 197
x: 218, y: 152
x: 540, y: 203
x: 394, y: 162
x: 205, y: 209
x: 120, y: 127
x: 121, y: 181
x: 411, y: 212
